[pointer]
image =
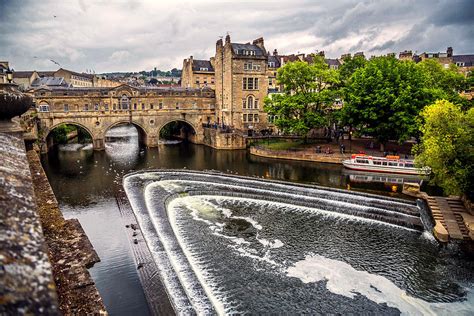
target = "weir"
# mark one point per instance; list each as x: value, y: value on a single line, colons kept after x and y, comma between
x: 193, y: 221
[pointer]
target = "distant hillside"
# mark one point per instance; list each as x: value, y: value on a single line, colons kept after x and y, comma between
x: 152, y: 73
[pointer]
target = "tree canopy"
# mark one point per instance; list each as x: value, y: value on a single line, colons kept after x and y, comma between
x: 447, y: 146
x: 307, y: 93
x: 383, y: 98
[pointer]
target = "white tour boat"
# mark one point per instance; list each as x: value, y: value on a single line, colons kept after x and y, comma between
x: 389, y: 164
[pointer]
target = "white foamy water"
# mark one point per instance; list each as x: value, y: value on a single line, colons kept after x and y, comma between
x: 168, y: 142
x: 75, y: 147
x: 344, y: 280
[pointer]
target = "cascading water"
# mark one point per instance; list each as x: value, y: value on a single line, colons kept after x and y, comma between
x: 230, y: 244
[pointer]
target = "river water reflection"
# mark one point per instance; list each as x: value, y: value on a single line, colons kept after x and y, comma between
x: 84, y: 182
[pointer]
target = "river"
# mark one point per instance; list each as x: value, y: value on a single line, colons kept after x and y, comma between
x: 84, y: 182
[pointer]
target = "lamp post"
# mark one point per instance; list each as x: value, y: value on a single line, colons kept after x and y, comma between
x: 9, y: 73
x: 350, y: 142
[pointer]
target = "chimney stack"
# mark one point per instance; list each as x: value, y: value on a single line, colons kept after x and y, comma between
x: 449, y: 51
x: 227, y: 38
x: 275, y: 52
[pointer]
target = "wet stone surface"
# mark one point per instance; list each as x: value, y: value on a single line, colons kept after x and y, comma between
x: 26, y: 282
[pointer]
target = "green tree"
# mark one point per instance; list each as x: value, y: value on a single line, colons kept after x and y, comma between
x: 307, y: 94
x: 383, y: 99
x: 445, y: 83
x: 349, y: 66
x: 447, y: 146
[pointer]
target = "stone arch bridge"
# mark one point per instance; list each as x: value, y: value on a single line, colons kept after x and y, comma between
x: 97, y: 110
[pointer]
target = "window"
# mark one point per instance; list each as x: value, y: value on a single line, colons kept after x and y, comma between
x: 250, y: 102
x: 250, y: 83
x: 96, y: 107
x: 134, y: 106
x: 115, y: 106
x: 66, y: 107
x: 244, y: 104
x: 177, y: 106
x: 248, y: 52
x: 160, y: 105
x: 124, y: 102
x: 204, y: 69
x: 271, y: 64
x: 394, y: 164
x: 245, y: 118
x: 251, y: 66
x: 106, y: 106
x: 409, y: 165
x: 151, y: 106
x: 44, y: 108
x: 378, y: 163
x: 86, y: 107
x: 362, y: 161
x: 270, y: 81
x: 460, y: 64
x: 143, y: 106
x: 197, y: 81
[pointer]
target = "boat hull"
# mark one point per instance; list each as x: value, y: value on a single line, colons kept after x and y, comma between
x: 384, y: 169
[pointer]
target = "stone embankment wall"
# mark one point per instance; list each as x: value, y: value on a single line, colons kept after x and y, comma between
x: 216, y: 139
x: 43, y: 257
x: 295, y: 155
x: 26, y: 281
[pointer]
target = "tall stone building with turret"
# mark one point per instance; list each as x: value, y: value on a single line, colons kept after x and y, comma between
x: 241, y: 84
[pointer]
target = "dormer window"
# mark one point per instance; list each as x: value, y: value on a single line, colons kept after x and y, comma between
x: 249, y: 52
x: 460, y: 64
x: 204, y: 69
x: 271, y: 64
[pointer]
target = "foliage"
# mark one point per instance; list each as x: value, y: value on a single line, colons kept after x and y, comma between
x: 59, y: 134
x: 384, y: 98
x: 350, y: 65
x: 307, y: 94
x: 445, y: 83
x: 447, y: 146
x: 279, y: 144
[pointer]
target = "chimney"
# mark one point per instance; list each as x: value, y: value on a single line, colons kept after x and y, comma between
x: 259, y: 43
x: 275, y: 52
x: 321, y: 53
x: 344, y: 56
x: 449, y: 51
x: 227, y: 38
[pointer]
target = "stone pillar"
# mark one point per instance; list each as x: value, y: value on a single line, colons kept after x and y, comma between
x: 152, y: 141
x: 98, y: 144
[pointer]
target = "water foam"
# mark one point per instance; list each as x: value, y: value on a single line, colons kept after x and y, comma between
x: 344, y: 280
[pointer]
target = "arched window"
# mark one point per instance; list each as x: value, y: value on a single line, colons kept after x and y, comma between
x: 44, y: 107
x: 124, y: 102
x: 250, y: 102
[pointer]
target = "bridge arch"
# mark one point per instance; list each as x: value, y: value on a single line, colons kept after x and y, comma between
x: 187, y: 130
x: 142, y: 131
x: 48, y: 140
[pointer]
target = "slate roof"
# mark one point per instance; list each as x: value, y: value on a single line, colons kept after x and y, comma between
x: 332, y: 62
x: 80, y: 74
x: 468, y: 60
x: 22, y: 74
x: 198, y: 64
x: 275, y: 60
x: 239, y: 48
x: 49, y: 81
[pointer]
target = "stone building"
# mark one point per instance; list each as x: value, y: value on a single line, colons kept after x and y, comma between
x: 76, y: 79
x: 241, y: 84
x: 198, y: 73
x: 3, y: 71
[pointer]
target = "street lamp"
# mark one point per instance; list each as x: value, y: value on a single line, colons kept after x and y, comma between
x: 350, y: 142
x: 9, y: 73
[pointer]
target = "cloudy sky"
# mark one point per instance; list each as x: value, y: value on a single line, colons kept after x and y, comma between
x: 134, y: 35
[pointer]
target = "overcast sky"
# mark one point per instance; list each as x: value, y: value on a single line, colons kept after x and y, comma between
x: 138, y: 35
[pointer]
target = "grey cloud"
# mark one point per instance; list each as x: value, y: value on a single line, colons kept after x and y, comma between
x: 87, y: 33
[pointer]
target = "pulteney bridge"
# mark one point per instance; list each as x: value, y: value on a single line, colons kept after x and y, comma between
x: 97, y: 110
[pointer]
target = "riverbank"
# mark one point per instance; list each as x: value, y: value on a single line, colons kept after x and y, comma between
x: 305, y: 155
x: 70, y: 251
x: 326, y: 152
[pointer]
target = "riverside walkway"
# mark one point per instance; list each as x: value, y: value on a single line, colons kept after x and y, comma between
x: 453, y: 220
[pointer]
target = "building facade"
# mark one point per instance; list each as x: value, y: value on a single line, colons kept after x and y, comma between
x: 198, y: 73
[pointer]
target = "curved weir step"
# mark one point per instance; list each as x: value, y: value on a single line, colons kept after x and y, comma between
x: 151, y: 192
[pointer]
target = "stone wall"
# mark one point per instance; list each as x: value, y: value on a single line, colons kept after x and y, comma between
x: 26, y: 281
x: 216, y: 139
